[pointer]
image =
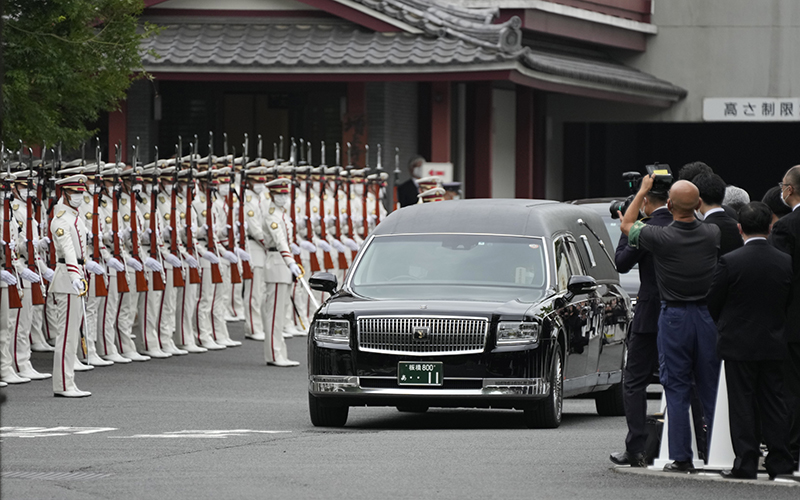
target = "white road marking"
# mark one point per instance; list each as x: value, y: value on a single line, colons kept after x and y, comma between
x: 37, y: 432
x: 199, y: 434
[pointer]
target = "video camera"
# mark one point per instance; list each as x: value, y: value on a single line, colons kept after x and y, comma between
x: 662, y: 182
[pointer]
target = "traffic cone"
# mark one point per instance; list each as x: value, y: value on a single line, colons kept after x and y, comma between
x: 720, y: 449
x: 663, y: 454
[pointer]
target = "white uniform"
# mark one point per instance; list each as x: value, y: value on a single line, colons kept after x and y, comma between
x: 255, y: 289
x: 150, y: 302
x: 167, y: 317
x: 206, y: 322
x: 220, y: 303
x: 7, y: 372
x: 64, y: 304
x: 108, y: 307
x: 186, y: 334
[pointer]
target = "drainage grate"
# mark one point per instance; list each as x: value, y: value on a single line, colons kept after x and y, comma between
x: 53, y: 476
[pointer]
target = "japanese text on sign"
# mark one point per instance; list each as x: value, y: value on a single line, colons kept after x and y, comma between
x: 751, y: 109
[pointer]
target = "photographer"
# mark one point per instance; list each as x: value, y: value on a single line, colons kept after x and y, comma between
x: 685, y: 257
x: 642, y: 359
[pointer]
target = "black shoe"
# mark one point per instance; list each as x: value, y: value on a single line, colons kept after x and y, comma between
x: 735, y: 474
x: 627, y: 458
x: 783, y: 475
x: 685, y: 466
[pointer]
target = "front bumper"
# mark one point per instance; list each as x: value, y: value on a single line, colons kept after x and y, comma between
x: 320, y: 385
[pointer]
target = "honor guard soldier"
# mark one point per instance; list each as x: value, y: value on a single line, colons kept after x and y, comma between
x: 37, y: 336
x: 169, y: 208
x: 300, y: 244
x: 28, y: 268
x: 222, y: 233
x: 186, y: 334
x: 281, y: 268
x: 256, y: 204
x: 236, y: 304
x: 375, y: 187
x: 10, y: 288
x: 65, y: 300
x: 431, y: 195
x: 108, y: 211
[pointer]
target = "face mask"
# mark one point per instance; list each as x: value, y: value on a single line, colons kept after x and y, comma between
x: 148, y: 189
x: 224, y: 190
x: 75, y: 199
x: 783, y: 200
x: 137, y: 188
x: 168, y: 188
x: 23, y: 194
x: 259, y: 188
x: 417, y: 172
x: 359, y: 189
x: 280, y: 199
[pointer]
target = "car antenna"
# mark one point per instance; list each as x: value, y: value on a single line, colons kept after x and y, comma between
x: 602, y: 245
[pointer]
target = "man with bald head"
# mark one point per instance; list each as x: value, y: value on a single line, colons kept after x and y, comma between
x: 685, y: 258
x: 786, y: 237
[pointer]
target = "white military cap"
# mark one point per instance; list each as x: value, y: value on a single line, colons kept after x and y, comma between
x: 73, y: 163
x: 332, y: 170
x: 224, y: 171
x: 317, y: 170
x: 433, y: 194
x: 23, y: 175
x: 280, y: 185
x: 4, y: 176
x: 66, y: 172
x: 74, y: 182
x: 150, y: 171
x: 382, y: 175
x: 185, y: 172
x: 250, y: 172
x: 168, y: 171
x: 110, y: 170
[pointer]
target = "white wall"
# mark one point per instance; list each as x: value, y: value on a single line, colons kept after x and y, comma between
x: 503, y: 143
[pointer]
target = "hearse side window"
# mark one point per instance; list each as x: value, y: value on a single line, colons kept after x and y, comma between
x: 563, y: 270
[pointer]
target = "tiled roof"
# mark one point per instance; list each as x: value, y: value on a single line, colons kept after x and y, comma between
x: 280, y: 46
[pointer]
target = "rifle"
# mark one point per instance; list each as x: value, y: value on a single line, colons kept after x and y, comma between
x: 396, y: 172
x: 55, y: 194
x: 309, y: 226
x: 122, y: 278
x: 37, y: 297
x: 247, y: 271
x: 293, y: 195
x: 364, y: 195
x: 194, y: 274
x: 216, y: 275
x: 349, y: 182
x: 177, y: 272
x: 14, y: 301
x: 378, y: 185
x: 141, y: 279
x: 100, y: 290
x: 235, y: 276
x: 158, y: 278
x: 337, y: 187
x: 323, y: 188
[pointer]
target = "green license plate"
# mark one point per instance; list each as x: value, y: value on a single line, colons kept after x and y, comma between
x: 413, y: 373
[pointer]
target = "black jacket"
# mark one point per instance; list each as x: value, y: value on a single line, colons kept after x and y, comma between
x: 407, y: 193
x: 748, y: 300
x: 648, y: 301
x: 786, y: 237
x: 730, y: 239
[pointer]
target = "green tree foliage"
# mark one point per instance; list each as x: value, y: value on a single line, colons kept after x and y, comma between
x: 65, y: 62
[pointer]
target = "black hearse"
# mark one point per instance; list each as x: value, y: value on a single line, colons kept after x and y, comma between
x: 473, y: 303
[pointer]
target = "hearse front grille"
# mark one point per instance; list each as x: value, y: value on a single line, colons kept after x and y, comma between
x: 422, y: 336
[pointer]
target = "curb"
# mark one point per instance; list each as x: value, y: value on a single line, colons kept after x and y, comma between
x: 701, y: 475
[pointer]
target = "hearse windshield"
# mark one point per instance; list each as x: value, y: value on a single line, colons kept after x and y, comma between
x: 451, y: 266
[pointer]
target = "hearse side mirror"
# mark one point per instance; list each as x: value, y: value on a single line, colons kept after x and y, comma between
x: 579, y: 285
x: 323, y: 282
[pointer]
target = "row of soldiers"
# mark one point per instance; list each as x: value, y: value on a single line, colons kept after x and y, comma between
x: 168, y: 252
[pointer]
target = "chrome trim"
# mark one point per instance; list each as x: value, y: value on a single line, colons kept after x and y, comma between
x: 586, y: 245
x: 349, y: 276
x: 392, y: 334
x: 492, y: 387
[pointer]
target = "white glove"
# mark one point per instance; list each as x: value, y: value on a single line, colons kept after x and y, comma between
x: 324, y: 246
x: 315, y: 219
x: 172, y: 260
x: 168, y: 229
x: 29, y: 275
x: 295, y: 248
x: 211, y: 257
x: 192, y: 262
x: 48, y: 274
x: 194, y: 230
x: 308, y: 246
x: 153, y: 265
x: 124, y: 234
x: 228, y: 226
x: 352, y: 245
x: 135, y: 264
x: 78, y: 285
x: 330, y: 220
x: 244, y: 256
x: 357, y: 219
x: 301, y: 223
x: 338, y: 246
x: 115, y: 265
x: 245, y: 225
x: 343, y: 218
x: 44, y: 243
x: 13, y: 245
x: 95, y: 267
x: 295, y: 269
x: 372, y: 218
x: 8, y: 278
x: 205, y: 227
x: 230, y: 256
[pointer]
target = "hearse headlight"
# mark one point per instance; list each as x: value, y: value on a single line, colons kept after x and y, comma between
x: 517, y: 333
x: 334, y: 331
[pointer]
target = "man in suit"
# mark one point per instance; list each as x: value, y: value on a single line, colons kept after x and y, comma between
x: 642, y: 340
x: 786, y: 237
x: 407, y: 191
x: 748, y: 300
x: 712, y: 192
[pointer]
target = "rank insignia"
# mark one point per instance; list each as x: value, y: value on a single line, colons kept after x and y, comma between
x: 89, y: 215
x: 124, y: 201
x: 274, y: 225
x: 126, y: 217
x: 161, y: 199
x: 249, y: 198
x: 59, y: 232
x: 87, y: 199
x: 105, y: 203
x: 59, y: 214
x: 271, y: 210
x: 15, y: 206
x: 250, y: 213
x: 108, y: 220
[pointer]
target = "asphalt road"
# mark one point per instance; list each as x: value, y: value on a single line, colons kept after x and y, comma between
x: 224, y: 425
